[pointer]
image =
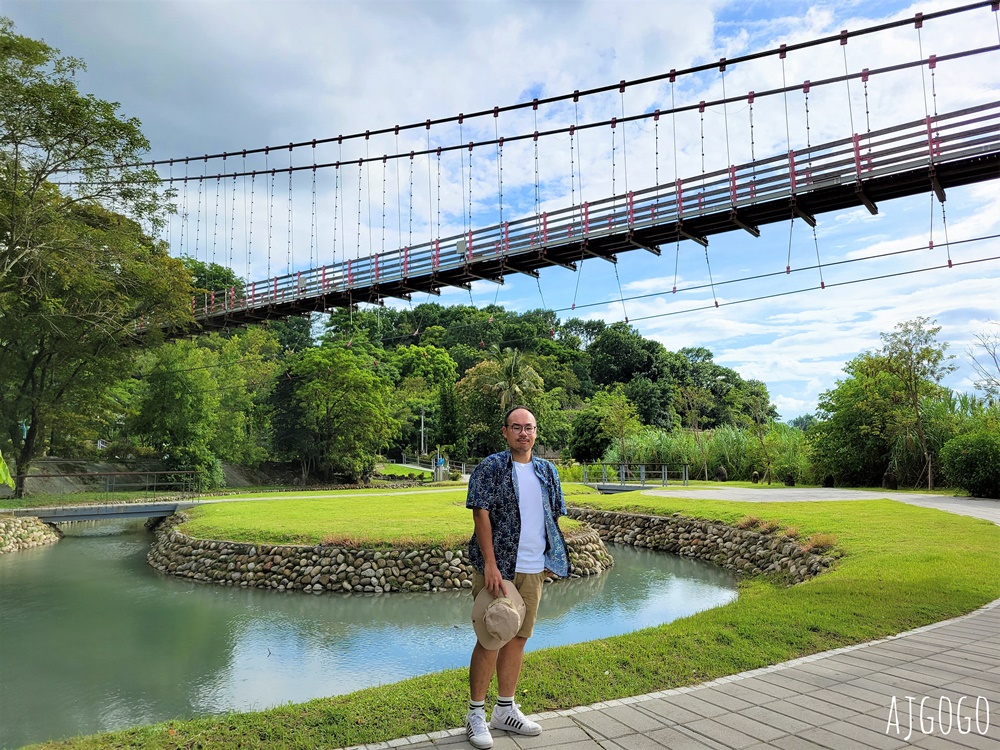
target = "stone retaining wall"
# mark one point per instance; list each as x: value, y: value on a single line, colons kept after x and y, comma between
x: 745, y: 551
x: 317, y: 569
x: 25, y: 532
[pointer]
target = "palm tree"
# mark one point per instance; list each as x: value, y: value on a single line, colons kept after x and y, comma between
x: 515, y: 381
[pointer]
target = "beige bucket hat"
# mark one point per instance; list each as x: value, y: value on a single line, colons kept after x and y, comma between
x: 497, y: 620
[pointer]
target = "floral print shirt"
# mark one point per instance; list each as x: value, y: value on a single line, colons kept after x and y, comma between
x: 493, y: 486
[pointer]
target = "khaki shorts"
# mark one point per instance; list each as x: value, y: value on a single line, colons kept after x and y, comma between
x: 529, y: 586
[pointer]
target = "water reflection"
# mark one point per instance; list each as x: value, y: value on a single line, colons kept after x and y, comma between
x: 98, y: 640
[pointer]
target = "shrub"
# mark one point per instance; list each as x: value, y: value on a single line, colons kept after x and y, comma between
x: 454, y: 476
x: 972, y: 462
x: 571, y: 472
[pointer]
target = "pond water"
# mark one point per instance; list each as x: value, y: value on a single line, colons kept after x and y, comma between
x: 93, y: 639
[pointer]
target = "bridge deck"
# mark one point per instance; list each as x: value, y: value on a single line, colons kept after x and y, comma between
x: 932, y: 154
x: 67, y: 513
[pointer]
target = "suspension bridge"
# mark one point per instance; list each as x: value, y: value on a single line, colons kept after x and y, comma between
x: 634, y: 166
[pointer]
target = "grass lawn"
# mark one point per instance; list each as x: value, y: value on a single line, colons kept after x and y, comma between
x: 395, y: 470
x: 408, y: 518
x: 901, y: 567
x: 45, y: 500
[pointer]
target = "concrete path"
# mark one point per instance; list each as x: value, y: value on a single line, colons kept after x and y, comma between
x: 854, y: 698
x: 963, y: 506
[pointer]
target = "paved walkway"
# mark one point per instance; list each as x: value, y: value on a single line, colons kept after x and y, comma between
x: 853, y: 698
x: 963, y: 506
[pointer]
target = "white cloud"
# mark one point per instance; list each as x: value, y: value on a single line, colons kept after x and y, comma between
x: 220, y: 75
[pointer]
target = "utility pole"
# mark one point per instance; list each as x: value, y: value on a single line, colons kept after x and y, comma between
x: 423, y: 439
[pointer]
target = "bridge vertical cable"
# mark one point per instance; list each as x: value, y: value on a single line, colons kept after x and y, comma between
x: 313, y: 219
x: 368, y: 185
x: 290, y: 242
x: 577, y: 224
x: 579, y: 207
x: 677, y: 181
x: 232, y: 223
x: 270, y: 211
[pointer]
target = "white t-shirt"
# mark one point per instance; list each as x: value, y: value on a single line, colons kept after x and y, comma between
x: 531, y: 545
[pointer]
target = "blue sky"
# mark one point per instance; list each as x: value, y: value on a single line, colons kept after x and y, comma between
x: 218, y: 76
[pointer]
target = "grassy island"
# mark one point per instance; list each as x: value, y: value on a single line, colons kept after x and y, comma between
x: 372, y: 519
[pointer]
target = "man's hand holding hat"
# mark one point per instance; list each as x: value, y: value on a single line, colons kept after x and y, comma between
x: 497, y: 620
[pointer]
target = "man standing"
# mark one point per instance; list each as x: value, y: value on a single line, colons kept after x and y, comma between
x: 516, y: 501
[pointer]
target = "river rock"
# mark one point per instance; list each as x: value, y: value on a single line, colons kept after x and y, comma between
x: 317, y: 569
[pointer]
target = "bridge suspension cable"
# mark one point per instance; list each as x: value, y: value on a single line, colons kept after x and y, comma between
x: 527, y: 226
x: 917, y: 19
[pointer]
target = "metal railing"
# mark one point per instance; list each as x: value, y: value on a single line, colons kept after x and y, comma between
x: 463, y: 467
x: 643, y: 475
x: 923, y: 143
x: 146, y: 483
x: 426, y: 462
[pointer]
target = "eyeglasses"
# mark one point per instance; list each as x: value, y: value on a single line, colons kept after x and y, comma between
x: 527, y: 429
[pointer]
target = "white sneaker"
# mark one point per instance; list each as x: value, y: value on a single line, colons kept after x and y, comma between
x: 511, y: 719
x: 476, y: 729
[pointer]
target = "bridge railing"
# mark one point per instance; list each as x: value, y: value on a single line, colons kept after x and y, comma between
x: 463, y: 467
x: 146, y: 483
x: 920, y: 143
x: 426, y: 462
x: 627, y: 474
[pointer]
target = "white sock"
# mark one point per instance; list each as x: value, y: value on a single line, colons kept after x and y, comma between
x: 473, y: 705
x: 505, y: 701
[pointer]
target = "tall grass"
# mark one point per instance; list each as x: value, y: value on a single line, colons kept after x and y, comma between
x: 781, y: 449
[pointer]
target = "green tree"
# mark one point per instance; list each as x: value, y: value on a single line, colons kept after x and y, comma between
x: 341, y: 414
x: 588, y: 440
x: 420, y: 372
x: 177, y: 407
x: 972, y: 461
x: 48, y: 128
x: 695, y: 402
x: 852, y: 439
x: 802, y: 422
x: 554, y: 425
x: 480, y: 416
x: 77, y: 281
x: 985, y: 356
x: 757, y: 417
x: 480, y: 406
x: 449, y: 432
x: 247, y: 366
x: 211, y: 277
x: 293, y: 334
x: 919, y: 362
x: 513, y: 381
x: 619, y: 418
x: 619, y: 353
x: 65, y: 339
x: 431, y: 363
x: 585, y: 331
x: 654, y: 401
